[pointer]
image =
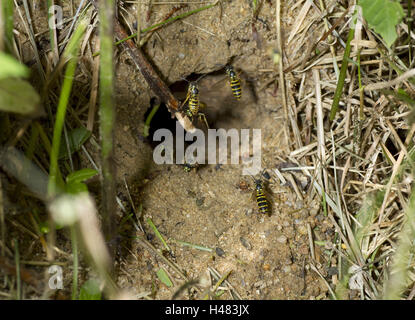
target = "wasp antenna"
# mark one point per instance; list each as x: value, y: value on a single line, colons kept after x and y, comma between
x: 203, y: 75
x: 185, y: 79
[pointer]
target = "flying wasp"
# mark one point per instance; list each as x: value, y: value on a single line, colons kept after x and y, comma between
x: 234, y: 82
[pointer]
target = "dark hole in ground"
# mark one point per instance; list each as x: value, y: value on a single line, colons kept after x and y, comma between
x: 222, y: 109
x: 163, y: 119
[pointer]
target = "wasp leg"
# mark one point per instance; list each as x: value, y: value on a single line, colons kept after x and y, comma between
x: 202, y: 116
x: 184, y: 102
x: 189, y: 114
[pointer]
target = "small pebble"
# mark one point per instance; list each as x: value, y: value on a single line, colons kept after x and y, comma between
x: 248, y: 212
x: 220, y: 252
x: 181, y: 55
x: 245, y: 243
x: 282, y: 239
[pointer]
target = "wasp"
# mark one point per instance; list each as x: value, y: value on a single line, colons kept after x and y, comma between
x: 188, y: 167
x: 194, y: 103
x: 261, y: 199
x: 193, y: 99
x: 234, y: 82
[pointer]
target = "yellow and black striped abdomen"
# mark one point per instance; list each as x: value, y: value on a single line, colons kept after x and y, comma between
x: 236, y: 87
x: 194, y: 104
x: 261, y: 200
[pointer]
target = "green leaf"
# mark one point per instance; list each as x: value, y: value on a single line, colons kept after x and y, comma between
x: 163, y: 276
x: 383, y: 16
x: 76, y: 138
x: 90, y: 290
x: 77, y: 187
x: 74, y: 184
x: 44, y: 227
x: 10, y: 67
x: 81, y: 175
x: 18, y: 96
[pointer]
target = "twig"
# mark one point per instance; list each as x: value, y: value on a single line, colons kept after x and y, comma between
x: 152, y: 78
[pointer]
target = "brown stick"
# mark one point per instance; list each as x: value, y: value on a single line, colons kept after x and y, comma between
x: 154, y: 81
x: 152, y: 78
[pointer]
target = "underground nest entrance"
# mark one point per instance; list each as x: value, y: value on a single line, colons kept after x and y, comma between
x: 221, y: 108
x: 215, y: 94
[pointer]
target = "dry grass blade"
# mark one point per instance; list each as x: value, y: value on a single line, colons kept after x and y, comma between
x: 381, y: 85
x: 320, y: 131
x: 300, y: 19
x: 29, y: 30
x: 393, y: 175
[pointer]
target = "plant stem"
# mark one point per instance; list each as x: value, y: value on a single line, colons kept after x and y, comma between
x: 107, y: 114
x: 71, y: 52
x: 340, y: 82
x: 74, y: 240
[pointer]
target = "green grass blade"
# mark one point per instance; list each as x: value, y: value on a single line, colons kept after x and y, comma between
x: 6, y: 19
x: 149, y: 118
x: 70, y: 53
x: 164, y: 277
x: 158, y: 234
x: 342, y: 76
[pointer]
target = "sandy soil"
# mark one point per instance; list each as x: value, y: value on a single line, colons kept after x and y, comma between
x: 268, y: 256
x: 213, y: 207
